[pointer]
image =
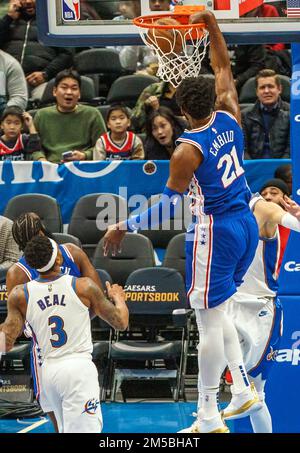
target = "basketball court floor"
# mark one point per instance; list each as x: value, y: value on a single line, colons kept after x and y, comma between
x: 140, y: 417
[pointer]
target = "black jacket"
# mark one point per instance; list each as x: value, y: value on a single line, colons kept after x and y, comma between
x: 279, y: 135
x: 19, y: 38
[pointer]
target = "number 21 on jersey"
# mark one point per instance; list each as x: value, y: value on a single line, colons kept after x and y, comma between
x: 233, y: 168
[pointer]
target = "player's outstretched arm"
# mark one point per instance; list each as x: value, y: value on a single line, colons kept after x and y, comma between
x: 269, y: 215
x: 13, y: 324
x: 226, y: 94
x: 184, y: 161
x: 113, y: 310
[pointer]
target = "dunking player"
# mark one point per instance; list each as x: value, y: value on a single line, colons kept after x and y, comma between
x: 255, y: 309
x: 57, y: 307
x: 221, y: 244
x: 74, y: 262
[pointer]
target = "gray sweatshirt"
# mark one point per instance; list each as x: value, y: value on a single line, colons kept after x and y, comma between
x: 13, y: 86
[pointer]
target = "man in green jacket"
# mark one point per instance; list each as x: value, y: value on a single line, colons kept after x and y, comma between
x: 68, y: 126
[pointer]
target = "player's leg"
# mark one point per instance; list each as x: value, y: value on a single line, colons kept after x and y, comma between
x: 210, y: 359
x: 81, y: 405
x: 50, y: 397
x: 244, y: 396
x: 39, y: 389
x: 258, y: 324
x: 261, y: 420
x: 271, y: 325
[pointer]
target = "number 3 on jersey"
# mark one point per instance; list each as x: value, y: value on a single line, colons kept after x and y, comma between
x: 232, y: 167
x: 57, y: 330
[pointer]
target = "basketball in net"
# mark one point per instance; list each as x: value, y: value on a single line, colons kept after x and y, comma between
x: 178, y: 45
x: 166, y: 40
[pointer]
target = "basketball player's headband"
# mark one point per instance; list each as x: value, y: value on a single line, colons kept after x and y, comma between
x: 52, y: 259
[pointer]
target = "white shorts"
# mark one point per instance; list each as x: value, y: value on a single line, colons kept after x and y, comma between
x: 258, y: 322
x: 72, y: 391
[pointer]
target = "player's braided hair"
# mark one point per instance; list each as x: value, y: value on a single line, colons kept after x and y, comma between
x: 196, y: 96
x: 25, y: 227
x: 38, y: 252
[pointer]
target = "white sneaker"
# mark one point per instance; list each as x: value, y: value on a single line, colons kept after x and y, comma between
x: 242, y: 404
x: 208, y: 425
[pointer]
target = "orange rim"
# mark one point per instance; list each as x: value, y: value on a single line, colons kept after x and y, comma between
x: 149, y: 21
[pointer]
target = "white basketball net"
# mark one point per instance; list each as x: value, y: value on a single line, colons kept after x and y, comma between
x: 174, y: 67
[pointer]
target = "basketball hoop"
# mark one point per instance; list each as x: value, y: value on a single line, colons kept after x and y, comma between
x: 179, y: 48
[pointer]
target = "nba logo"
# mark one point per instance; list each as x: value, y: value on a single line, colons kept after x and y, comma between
x: 71, y: 10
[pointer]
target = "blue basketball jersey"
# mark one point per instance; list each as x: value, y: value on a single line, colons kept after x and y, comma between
x: 219, y: 184
x: 68, y: 266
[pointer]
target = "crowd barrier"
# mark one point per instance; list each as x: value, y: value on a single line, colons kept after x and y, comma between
x: 69, y: 182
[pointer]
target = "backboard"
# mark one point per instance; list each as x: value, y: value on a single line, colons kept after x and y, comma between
x: 80, y: 23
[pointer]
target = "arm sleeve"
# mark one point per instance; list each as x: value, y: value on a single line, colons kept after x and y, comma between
x: 38, y: 154
x: 138, y: 116
x: 63, y: 60
x: 99, y: 153
x: 32, y: 143
x: 5, y: 22
x: 16, y: 85
x: 138, y: 149
x: 11, y: 252
x: 97, y: 128
x: 160, y: 212
x: 289, y: 221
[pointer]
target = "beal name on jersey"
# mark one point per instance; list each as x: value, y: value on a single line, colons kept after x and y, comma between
x: 50, y: 301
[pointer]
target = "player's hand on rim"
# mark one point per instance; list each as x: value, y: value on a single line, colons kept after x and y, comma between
x: 113, y: 238
x: 201, y: 16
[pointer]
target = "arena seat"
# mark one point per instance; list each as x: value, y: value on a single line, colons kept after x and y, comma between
x: 175, y: 254
x: 45, y: 206
x: 91, y: 216
x: 168, y: 312
x: 137, y: 252
x: 127, y: 89
x: 102, y: 65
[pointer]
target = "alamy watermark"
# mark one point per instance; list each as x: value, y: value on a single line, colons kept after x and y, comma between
x: 116, y: 208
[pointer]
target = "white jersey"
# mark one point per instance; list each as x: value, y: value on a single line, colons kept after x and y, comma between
x: 59, y: 320
x: 261, y: 277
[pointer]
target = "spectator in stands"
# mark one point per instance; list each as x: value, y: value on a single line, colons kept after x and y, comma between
x: 152, y: 97
x: 128, y: 9
x: 135, y: 58
x: 68, y: 126
x: 162, y: 129
x: 13, y: 87
x: 160, y: 5
x: 267, y: 125
x: 15, y: 145
x: 18, y: 37
x: 284, y: 172
x: 274, y: 190
x: 118, y: 142
x: 9, y: 251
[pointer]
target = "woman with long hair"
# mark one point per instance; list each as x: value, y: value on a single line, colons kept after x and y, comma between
x: 162, y: 130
